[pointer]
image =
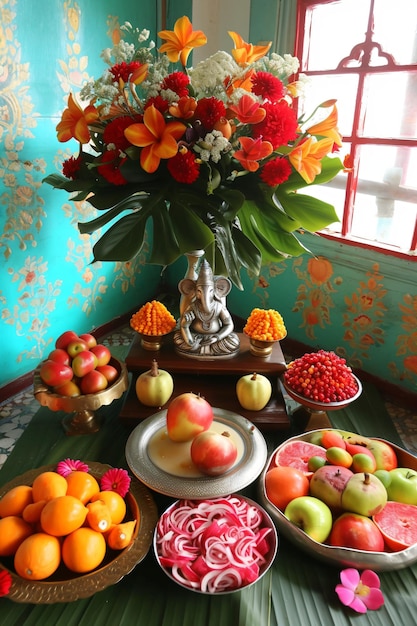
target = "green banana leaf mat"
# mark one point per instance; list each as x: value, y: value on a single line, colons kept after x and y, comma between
x: 297, y: 590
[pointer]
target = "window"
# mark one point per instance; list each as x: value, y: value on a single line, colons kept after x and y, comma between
x: 364, y: 53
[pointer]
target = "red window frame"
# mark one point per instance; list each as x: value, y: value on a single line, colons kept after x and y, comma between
x: 356, y: 139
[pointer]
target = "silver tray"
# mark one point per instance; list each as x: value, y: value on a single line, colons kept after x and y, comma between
x: 345, y: 557
x: 248, y: 466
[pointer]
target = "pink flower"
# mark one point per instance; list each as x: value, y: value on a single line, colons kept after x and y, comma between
x: 5, y: 582
x: 68, y: 465
x: 360, y: 591
x: 115, y: 480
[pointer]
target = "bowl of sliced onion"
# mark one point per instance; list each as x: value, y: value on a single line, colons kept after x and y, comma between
x: 215, y: 546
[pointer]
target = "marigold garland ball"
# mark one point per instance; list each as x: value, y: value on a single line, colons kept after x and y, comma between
x: 153, y: 318
x: 265, y: 325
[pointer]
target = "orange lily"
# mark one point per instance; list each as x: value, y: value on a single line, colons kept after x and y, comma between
x: 184, y: 108
x: 244, y: 82
x: 74, y: 122
x: 246, y: 53
x: 306, y: 157
x: 327, y: 128
x: 157, y: 138
x: 181, y: 40
x: 248, y: 110
x: 139, y: 75
x: 253, y: 150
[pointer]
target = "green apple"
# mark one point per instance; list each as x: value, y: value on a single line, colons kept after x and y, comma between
x: 311, y: 515
x: 253, y: 391
x: 403, y: 485
x: 364, y: 494
x: 155, y: 386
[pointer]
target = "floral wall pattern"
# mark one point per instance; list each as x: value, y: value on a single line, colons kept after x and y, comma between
x: 48, y: 283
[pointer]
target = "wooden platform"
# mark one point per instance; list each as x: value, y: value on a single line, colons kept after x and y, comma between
x: 214, y: 379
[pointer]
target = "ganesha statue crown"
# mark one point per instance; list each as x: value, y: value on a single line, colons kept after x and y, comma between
x: 206, y: 329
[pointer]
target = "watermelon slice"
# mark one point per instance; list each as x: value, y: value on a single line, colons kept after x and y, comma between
x: 297, y: 454
x: 398, y: 524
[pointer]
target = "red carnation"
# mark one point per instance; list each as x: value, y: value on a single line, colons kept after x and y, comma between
x: 114, y: 132
x: 279, y: 126
x: 267, y: 86
x: 124, y: 70
x: 177, y: 82
x: 110, y: 170
x: 209, y: 111
x: 71, y: 167
x: 159, y: 103
x: 183, y: 167
x: 275, y: 172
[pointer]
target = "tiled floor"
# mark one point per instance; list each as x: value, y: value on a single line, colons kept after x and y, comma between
x: 16, y: 412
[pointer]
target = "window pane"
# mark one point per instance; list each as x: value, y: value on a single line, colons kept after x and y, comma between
x: 385, y: 207
x: 398, y: 115
x: 343, y: 88
x: 395, y: 32
x: 335, y: 29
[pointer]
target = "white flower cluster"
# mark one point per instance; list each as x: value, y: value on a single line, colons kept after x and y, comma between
x: 213, y: 146
x: 281, y: 67
x: 207, y: 78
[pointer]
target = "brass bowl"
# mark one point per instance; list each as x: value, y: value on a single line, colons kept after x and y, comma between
x: 322, y: 406
x: 153, y: 343
x: 261, y: 348
x: 82, y: 419
x: 65, y: 586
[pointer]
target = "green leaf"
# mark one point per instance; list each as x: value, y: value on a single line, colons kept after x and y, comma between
x: 165, y: 248
x: 190, y: 231
x: 311, y: 213
x: 122, y: 241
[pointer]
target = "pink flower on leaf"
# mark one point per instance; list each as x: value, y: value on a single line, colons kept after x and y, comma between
x: 115, y: 480
x: 5, y: 582
x: 67, y: 466
x: 358, y: 591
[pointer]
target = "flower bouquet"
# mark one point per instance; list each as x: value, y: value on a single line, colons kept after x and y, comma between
x: 211, y: 156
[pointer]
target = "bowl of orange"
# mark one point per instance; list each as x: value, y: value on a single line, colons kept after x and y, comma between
x: 64, y: 538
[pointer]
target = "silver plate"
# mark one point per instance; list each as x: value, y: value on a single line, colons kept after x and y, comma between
x: 246, y: 469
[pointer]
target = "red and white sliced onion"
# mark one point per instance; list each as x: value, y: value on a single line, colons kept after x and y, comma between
x: 213, y: 545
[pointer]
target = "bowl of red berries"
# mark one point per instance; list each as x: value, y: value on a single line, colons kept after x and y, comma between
x: 321, y: 381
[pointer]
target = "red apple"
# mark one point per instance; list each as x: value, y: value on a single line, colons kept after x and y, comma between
x: 66, y: 338
x: 93, y: 382
x: 109, y: 372
x: 74, y: 347
x: 102, y: 353
x: 213, y: 453
x: 352, y: 530
x: 70, y: 388
x: 83, y: 363
x: 54, y: 374
x: 89, y: 339
x: 188, y: 415
x: 59, y: 355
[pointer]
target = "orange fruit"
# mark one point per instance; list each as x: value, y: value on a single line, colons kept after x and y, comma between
x: 120, y: 536
x: 13, y: 530
x: 32, y: 512
x: 14, y: 501
x: 398, y: 524
x: 48, y: 485
x: 98, y: 516
x: 82, y: 485
x: 283, y: 484
x: 63, y: 515
x: 115, y: 504
x: 83, y: 550
x: 37, y: 557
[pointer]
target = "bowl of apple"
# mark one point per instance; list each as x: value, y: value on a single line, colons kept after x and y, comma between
x: 78, y: 377
x: 345, y: 499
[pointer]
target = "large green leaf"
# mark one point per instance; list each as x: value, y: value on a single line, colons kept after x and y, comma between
x: 189, y: 229
x: 311, y: 213
x: 122, y: 241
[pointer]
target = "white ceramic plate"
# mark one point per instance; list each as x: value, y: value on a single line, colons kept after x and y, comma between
x: 166, y: 467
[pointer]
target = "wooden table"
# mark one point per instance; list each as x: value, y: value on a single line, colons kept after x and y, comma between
x: 214, y: 379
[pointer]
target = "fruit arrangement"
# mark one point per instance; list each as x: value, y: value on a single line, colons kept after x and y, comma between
x: 345, y: 490
x: 67, y: 521
x: 265, y: 325
x: 78, y: 365
x: 322, y: 377
x: 153, y: 318
x: 189, y: 418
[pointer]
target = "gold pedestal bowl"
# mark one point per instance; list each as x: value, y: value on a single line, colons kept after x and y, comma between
x: 82, y: 418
